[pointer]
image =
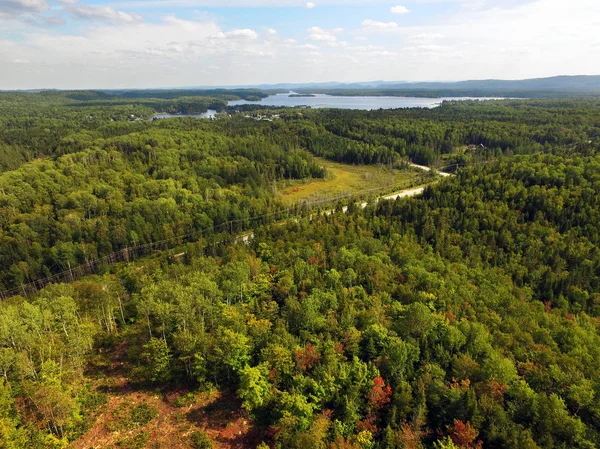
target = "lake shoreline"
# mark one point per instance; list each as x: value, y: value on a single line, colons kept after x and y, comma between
x: 322, y: 101
x: 319, y: 101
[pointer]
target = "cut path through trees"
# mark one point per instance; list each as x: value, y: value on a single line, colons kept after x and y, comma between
x: 128, y: 254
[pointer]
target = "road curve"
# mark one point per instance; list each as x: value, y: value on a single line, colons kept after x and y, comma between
x: 404, y: 193
x: 425, y: 168
x: 245, y: 238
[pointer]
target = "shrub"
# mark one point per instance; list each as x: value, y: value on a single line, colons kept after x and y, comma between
x: 200, y: 440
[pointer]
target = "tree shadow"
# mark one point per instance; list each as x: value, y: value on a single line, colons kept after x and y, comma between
x: 226, y: 422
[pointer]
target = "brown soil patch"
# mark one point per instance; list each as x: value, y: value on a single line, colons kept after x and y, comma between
x: 219, y: 414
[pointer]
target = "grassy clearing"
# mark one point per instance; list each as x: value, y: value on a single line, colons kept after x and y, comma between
x: 349, y: 179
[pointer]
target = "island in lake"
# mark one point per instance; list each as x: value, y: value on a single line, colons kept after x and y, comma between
x: 301, y: 95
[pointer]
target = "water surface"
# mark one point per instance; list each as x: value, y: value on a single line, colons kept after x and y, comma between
x: 364, y: 103
x: 331, y: 101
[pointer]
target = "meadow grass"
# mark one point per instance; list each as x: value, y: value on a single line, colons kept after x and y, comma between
x: 348, y: 179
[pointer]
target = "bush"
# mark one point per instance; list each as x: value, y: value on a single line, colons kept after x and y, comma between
x: 136, y: 442
x: 185, y: 400
x: 142, y: 414
x: 200, y: 440
x: 125, y: 417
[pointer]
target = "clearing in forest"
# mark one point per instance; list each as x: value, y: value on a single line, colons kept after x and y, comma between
x: 344, y: 179
x: 137, y: 417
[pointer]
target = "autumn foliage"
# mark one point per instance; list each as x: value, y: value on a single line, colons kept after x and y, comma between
x: 464, y: 435
x: 380, y: 394
x: 307, y: 357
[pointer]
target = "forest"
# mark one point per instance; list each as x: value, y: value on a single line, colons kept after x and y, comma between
x: 466, y: 317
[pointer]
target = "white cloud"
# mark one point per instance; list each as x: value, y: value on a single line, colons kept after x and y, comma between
x: 307, y: 47
x: 142, y: 4
x: 337, y: 44
x: 374, y: 25
x: 310, y: 5
x: 385, y: 53
x: 321, y: 35
x: 425, y: 37
x: 105, y: 13
x: 509, y: 40
x: 366, y: 48
x: 236, y: 34
x: 399, y: 9
x: 43, y: 20
x: 13, y: 7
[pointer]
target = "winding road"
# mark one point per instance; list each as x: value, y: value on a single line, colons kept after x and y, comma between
x: 401, y: 194
x: 125, y: 254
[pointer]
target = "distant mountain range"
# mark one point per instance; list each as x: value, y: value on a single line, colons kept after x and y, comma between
x: 553, y: 87
x: 584, y: 83
x: 571, y: 83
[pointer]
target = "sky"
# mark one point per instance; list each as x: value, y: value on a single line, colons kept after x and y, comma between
x: 80, y: 44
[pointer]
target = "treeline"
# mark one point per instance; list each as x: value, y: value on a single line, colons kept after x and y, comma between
x: 429, y: 136
x: 101, y: 194
x: 535, y: 217
x: 456, y: 132
x: 227, y: 94
x: 181, y: 105
x: 32, y: 124
x: 463, y: 319
x: 98, y: 182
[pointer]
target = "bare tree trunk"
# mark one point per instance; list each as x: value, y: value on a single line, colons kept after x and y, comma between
x: 149, y: 328
x: 121, y: 309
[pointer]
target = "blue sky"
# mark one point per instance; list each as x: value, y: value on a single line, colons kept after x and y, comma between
x: 169, y: 43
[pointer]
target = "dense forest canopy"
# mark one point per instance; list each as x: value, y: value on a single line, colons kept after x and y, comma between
x: 228, y: 94
x: 467, y: 317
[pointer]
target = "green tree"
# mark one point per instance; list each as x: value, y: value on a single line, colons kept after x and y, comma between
x: 255, y: 388
x: 156, y: 360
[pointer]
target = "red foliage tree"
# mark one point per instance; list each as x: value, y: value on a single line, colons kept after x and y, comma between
x: 494, y: 389
x: 409, y: 437
x: 367, y: 424
x: 464, y: 434
x: 342, y: 443
x: 380, y: 394
x: 307, y: 357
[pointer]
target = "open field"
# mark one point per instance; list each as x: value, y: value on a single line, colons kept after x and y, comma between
x: 350, y: 179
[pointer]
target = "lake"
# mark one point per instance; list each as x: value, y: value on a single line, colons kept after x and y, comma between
x: 364, y: 103
x: 330, y: 101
